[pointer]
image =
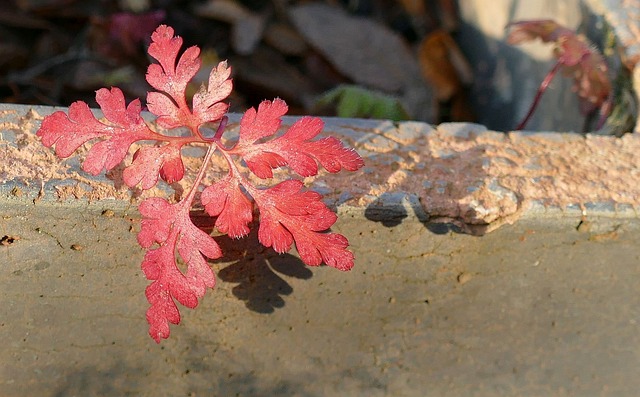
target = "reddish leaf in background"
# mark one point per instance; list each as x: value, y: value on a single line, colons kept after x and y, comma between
x: 132, y: 29
x: 288, y: 213
x: 576, y: 57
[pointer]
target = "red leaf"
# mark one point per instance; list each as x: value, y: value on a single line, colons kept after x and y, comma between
x: 157, y: 218
x: 193, y: 246
x: 206, y: 102
x: 293, y: 148
x: 162, y: 311
x: 261, y: 123
x: 301, y: 153
x: 169, y: 76
x: 148, y: 162
x: 171, y: 79
x: 578, y: 57
x: 70, y: 132
x: 171, y: 228
x: 169, y: 114
x: 225, y: 200
x: 288, y: 214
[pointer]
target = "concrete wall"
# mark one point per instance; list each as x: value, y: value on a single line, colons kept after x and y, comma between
x: 487, y: 264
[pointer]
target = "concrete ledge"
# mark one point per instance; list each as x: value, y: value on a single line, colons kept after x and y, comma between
x: 544, y: 304
x: 456, y: 171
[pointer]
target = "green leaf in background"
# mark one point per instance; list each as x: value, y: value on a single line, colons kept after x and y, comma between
x: 358, y: 102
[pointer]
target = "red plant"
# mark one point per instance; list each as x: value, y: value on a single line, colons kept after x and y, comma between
x: 576, y: 56
x: 288, y: 213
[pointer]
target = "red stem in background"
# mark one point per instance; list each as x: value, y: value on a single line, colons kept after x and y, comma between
x: 543, y: 87
x: 221, y: 127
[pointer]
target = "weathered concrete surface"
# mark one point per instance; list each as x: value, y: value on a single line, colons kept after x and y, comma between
x: 545, y: 304
x: 543, y: 307
x: 455, y: 172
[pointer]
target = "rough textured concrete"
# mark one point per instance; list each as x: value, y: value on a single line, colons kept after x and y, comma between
x: 544, y: 304
x: 544, y: 307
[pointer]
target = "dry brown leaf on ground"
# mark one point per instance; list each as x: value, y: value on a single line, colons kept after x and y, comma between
x: 443, y: 65
x: 285, y: 39
x: 367, y: 52
x: 247, y: 26
x: 266, y: 73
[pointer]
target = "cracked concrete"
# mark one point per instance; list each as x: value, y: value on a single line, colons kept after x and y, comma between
x: 536, y: 296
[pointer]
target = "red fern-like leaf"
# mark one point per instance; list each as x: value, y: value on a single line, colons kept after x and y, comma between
x: 295, y: 148
x: 230, y: 205
x: 170, y: 227
x: 206, y: 102
x: 125, y: 127
x: 176, y: 250
x: 289, y: 214
x: 69, y: 132
x: 171, y: 79
x: 149, y: 162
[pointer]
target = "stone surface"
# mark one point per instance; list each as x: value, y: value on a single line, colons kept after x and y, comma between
x: 486, y: 264
x: 543, y: 307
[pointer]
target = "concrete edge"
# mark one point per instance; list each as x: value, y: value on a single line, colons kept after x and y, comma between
x: 461, y: 173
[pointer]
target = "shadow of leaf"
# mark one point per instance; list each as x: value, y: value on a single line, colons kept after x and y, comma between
x: 258, y: 272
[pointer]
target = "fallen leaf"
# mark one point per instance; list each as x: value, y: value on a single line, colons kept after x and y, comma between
x: 285, y: 39
x: 268, y: 73
x: 228, y: 11
x: 367, y: 52
x: 247, y: 33
x: 443, y: 65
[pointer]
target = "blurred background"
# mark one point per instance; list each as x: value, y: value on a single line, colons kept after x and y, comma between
x: 427, y: 60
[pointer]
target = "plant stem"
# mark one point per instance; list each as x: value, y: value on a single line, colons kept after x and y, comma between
x: 207, y: 157
x: 189, y: 199
x: 221, y: 127
x: 543, y: 87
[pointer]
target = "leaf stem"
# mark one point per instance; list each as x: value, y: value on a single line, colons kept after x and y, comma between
x: 201, y: 172
x: 213, y: 145
x: 543, y: 87
x: 235, y: 173
x: 221, y: 127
